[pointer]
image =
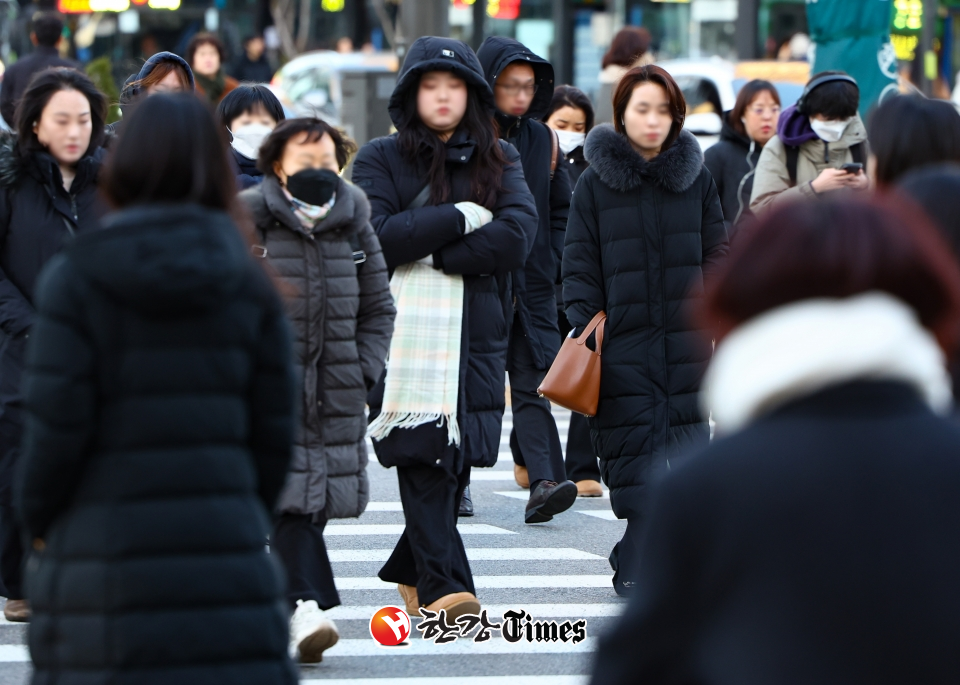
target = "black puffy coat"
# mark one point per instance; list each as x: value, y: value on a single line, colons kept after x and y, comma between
x: 159, y: 395
x: 484, y: 257
x: 535, y: 284
x: 798, y: 550
x: 576, y: 164
x: 642, y: 236
x: 342, y: 318
x: 730, y: 161
x: 37, y: 218
x: 248, y: 175
x: 19, y: 74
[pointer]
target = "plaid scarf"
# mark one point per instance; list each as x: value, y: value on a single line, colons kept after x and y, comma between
x: 308, y: 214
x: 423, y: 369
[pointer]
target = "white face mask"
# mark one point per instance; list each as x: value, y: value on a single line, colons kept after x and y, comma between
x: 829, y: 131
x: 247, y: 140
x: 570, y: 140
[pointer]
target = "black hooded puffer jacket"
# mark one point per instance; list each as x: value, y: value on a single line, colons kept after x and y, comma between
x: 484, y: 258
x: 642, y: 237
x: 159, y: 396
x: 732, y: 164
x: 342, y: 317
x: 129, y: 92
x: 535, y: 284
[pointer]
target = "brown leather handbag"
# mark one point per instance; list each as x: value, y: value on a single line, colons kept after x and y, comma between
x: 573, y: 380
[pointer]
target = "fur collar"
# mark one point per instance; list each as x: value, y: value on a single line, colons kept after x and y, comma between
x: 802, y: 348
x: 620, y: 167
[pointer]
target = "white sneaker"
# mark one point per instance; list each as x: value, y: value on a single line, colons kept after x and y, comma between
x: 311, y: 633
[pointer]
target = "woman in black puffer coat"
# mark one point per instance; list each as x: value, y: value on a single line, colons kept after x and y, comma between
x: 645, y: 229
x: 48, y: 194
x: 447, y: 193
x: 342, y: 313
x: 159, y: 398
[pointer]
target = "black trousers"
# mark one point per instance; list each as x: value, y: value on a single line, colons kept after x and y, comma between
x: 430, y: 554
x: 581, y: 462
x: 534, y: 440
x: 12, y: 353
x: 298, y: 541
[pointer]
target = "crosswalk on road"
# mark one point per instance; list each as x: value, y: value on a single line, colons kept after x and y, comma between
x: 556, y: 571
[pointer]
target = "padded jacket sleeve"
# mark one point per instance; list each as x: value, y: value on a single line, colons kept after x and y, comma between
x: 713, y: 229
x: 16, y: 312
x: 377, y: 311
x: 583, y: 289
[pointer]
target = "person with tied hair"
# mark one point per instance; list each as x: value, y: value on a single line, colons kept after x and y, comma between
x: 160, y: 415
x: 823, y: 518
x: 48, y: 196
x: 46, y: 33
x: 645, y: 231
x: 313, y: 229
x: 816, y: 139
x: 206, y: 56
x: 455, y: 217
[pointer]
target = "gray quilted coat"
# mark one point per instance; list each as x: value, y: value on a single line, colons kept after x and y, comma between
x: 342, y: 318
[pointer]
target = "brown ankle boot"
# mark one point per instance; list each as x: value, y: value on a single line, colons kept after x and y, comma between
x: 456, y: 605
x: 589, y: 488
x: 521, y: 476
x: 409, y: 594
x: 17, y: 611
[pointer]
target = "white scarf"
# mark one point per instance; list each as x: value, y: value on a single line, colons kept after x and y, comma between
x: 799, y: 349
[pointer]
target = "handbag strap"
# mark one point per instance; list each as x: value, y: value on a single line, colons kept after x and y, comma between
x: 594, y: 324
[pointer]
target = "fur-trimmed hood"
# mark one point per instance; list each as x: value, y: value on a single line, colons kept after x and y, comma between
x: 623, y: 169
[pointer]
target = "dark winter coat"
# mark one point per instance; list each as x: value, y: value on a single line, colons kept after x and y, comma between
x: 248, y: 175
x: 642, y: 236
x: 19, y: 74
x: 248, y: 71
x: 37, y: 218
x: 159, y: 396
x: 731, y: 163
x: 818, y: 545
x: 342, y: 320
x: 576, y: 164
x: 484, y: 258
x: 535, y: 284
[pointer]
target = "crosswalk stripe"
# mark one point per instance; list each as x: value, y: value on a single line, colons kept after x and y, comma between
x: 9, y: 653
x: 476, y: 554
x: 604, y: 514
x: 525, y: 495
x: 397, y: 529
x: 486, y: 474
x: 420, y: 647
x: 470, y: 680
x: 538, y: 611
x: 384, y: 506
x: 491, y: 582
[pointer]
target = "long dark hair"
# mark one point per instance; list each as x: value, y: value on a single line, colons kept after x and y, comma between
x: 417, y: 141
x: 171, y: 151
x: 910, y: 132
x: 37, y: 95
x: 750, y: 92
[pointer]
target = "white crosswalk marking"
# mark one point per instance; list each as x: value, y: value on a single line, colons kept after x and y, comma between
x: 397, y: 529
x: 541, y: 611
x: 474, y: 554
x: 419, y: 647
x: 484, y: 582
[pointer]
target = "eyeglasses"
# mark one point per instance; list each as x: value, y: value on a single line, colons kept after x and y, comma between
x: 516, y: 88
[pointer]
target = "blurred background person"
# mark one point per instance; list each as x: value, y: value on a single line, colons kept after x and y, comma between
x: 207, y: 57
x: 159, y: 400
x: 571, y: 116
x: 817, y: 140
x: 252, y: 64
x: 48, y: 195
x: 733, y: 160
x: 629, y: 48
x: 455, y: 218
x: 522, y: 84
x: 313, y: 228
x: 908, y: 133
x: 164, y: 72
x: 46, y: 34
x: 645, y: 230
x: 249, y: 113
x: 797, y: 546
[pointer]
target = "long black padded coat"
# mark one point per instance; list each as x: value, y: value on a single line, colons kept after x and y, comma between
x: 484, y: 258
x: 642, y: 236
x: 342, y: 319
x: 160, y: 418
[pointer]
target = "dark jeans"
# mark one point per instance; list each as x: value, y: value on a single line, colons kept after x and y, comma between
x: 581, y: 462
x: 430, y: 554
x: 298, y: 541
x: 534, y: 440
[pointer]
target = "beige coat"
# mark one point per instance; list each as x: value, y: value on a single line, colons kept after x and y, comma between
x: 771, y: 185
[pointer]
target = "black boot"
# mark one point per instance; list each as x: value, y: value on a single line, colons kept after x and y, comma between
x: 466, y: 504
x: 549, y: 499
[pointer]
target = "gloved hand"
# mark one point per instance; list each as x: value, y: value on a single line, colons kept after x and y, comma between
x: 475, y: 215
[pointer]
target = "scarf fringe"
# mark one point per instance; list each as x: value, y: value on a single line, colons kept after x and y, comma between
x: 387, y: 421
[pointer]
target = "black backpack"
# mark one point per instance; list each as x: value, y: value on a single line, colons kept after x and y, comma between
x: 793, y: 159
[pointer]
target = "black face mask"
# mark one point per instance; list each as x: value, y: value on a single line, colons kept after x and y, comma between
x: 313, y: 186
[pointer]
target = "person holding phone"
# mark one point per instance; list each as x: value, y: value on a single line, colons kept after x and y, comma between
x: 820, y: 146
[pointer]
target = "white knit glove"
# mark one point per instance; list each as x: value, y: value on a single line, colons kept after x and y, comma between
x: 475, y: 215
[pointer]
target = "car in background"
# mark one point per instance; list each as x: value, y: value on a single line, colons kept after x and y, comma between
x: 312, y: 84
x: 710, y: 88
